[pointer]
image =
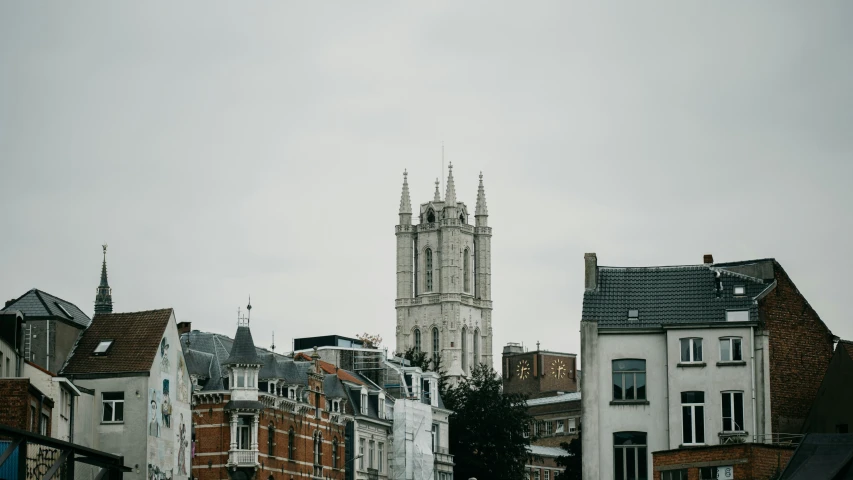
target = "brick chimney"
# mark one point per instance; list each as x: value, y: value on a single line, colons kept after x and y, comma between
x: 9, y: 302
x: 184, y: 327
x: 708, y: 259
x: 590, y: 271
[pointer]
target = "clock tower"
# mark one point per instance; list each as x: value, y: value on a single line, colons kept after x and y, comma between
x: 444, y: 290
x: 538, y: 373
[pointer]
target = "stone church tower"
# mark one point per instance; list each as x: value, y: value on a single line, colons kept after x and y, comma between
x: 444, y: 289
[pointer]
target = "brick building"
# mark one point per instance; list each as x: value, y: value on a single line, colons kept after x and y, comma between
x: 746, y: 460
x: 261, y: 415
x: 24, y: 406
x: 692, y: 356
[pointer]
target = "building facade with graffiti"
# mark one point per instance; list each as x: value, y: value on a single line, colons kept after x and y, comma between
x: 135, y: 366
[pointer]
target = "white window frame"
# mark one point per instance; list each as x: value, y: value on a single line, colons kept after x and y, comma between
x: 573, y: 425
x: 549, y: 428
x: 361, y: 454
x: 731, y: 342
x: 731, y: 401
x: 364, y: 400
x: 291, y: 393
x: 692, y: 342
x: 381, y: 412
x: 112, y: 403
x: 371, y: 453
x: 737, y: 315
x: 380, y: 458
x: 693, y: 407
x: 561, y: 427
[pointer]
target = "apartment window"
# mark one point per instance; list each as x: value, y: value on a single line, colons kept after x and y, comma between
x: 113, y: 407
x: 711, y: 473
x: 317, y: 404
x: 629, y: 456
x: 536, y: 474
x: 561, y: 426
x: 244, y: 425
x: 364, y: 402
x: 680, y: 474
x: 547, y: 474
x: 370, y: 453
x: 732, y: 411
x: 43, y: 424
x: 434, y: 433
x: 241, y: 378
x: 730, y: 349
x: 691, y: 350
x: 549, y: 428
x: 271, y: 439
x: 572, y: 425
x: 737, y: 316
x: 380, y: 461
x: 318, y: 448
x: 335, y: 452
x: 527, y: 431
x: 291, y: 444
x: 361, y: 454
x: 435, y: 344
x: 693, y: 418
x: 1, y: 365
x: 381, y: 412
x: 629, y: 379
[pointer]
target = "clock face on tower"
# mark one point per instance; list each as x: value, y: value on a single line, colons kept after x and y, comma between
x: 558, y: 368
x: 522, y: 369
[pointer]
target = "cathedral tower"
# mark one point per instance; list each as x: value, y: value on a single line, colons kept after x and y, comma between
x: 444, y: 293
x: 104, y: 294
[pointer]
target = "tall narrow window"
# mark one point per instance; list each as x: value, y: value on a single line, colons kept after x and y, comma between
x: 244, y: 427
x: 291, y: 444
x: 271, y: 439
x: 370, y: 454
x: 435, y: 347
x: 629, y: 380
x: 361, y: 454
x: 464, y: 345
x: 466, y: 274
x: 417, y: 340
x: 380, y: 460
x: 693, y: 417
x: 318, y: 448
x: 476, y: 347
x: 629, y: 456
x: 335, y: 452
x: 428, y: 270
x: 732, y: 411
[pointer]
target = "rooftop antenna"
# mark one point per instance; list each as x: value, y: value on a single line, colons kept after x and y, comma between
x: 249, y: 307
x: 442, y: 165
x: 537, y: 345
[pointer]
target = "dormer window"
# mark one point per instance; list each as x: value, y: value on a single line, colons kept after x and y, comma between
x: 633, y: 315
x: 739, y: 290
x: 103, y: 347
x: 364, y: 401
x: 381, y: 411
x: 291, y: 393
x: 336, y: 406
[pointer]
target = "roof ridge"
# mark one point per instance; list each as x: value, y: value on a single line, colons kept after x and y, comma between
x: 655, y: 267
x: 737, y: 274
x: 132, y: 313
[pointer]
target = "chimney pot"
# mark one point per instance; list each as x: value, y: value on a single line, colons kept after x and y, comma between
x: 8, y: 302
x: 708, y: 258
x: 591, y: 271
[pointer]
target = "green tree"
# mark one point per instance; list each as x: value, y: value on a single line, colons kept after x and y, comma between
x: 571, y: 461
x: 370, y: 341
x: 487, y: 428
x: 428, y: 364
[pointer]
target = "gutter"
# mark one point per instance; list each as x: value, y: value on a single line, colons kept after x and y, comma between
x: 752, y: 378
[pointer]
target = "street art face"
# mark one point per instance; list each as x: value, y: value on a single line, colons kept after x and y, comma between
x: 169, y: 413
x: 153, y: 414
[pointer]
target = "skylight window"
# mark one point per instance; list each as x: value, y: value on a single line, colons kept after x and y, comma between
x: 740, y: 290
x: 737, y: 316
x: 633, y: 315
x: 63, y: 309
x: 102, y: 347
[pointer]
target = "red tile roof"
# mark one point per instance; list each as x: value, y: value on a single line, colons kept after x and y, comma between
x: 136, y: 341
x: 330, y: 369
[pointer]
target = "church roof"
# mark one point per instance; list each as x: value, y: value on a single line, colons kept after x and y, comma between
x: 39, y: 305
x: 135, y: 342
x: 243, y: 350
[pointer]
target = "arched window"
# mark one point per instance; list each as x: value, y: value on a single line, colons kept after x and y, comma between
x: 417, y: 340
x: 335, y: 452
x: 291, y: 444
x: 466, y: 271
x: 435, y: 348
x: 430, y: 216
x: 476, y: 347
x: 428, y: 270
x: 464, y: 345
x: 271, y: 439
x: 461, y: 218
x: 318, y: 448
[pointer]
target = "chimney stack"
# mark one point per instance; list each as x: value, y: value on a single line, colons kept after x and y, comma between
x: 591, y: 271
x: 184, y: 327
x: 708, y: 259
x: 9, y: 302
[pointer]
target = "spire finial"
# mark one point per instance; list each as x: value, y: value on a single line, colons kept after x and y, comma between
x: 482, y: 210
x: 405, y: 201
x: 450, y: 194
x: 249, y: 308
x: 272, y: 347
x: 104, y: 297
x: 437, y: 197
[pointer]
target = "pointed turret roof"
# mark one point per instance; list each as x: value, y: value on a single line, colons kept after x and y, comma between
x: 243, y: 350
x: 104, y: 295
x: 437, y: 197
x: 450, y: 193
x: 481, y: 199
x: 405, y: 202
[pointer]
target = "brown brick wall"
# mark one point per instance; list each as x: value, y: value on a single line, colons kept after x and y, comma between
x: 540, y: 378
x: 762, y: 462
x: 800, y: 351
x: 213, y: 435
x: 17, y: 396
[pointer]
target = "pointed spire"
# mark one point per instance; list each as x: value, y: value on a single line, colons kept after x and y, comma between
x: 437, y: 197
x: 450, y: 193
x: 481, y: 199
x: 405, y: 201
x: 103, y: 296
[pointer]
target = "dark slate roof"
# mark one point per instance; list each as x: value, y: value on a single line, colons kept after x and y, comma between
x: 847, y: 345
x: 824, y: 456
x: 199, y: 363
x: 333, y: 388
x: 668, y: 295
x: 243, y: 351
x: 136, y: 341
x: 39, y: 305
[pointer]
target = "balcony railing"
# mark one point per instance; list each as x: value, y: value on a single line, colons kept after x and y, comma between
x: 243, y: 458
x: 792, y: 439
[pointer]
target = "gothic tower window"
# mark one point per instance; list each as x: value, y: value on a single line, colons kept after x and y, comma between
x: 291, y: 444
x: 430, y: 216
x: 435, y: 346
x: 417, y: 340
x: 271, y: 440
x: 461, y: 218
x: 466, y: 271
x: 318, y: 448
x: 428, y: 269
x: 464, y: 345
x: 476, y: 347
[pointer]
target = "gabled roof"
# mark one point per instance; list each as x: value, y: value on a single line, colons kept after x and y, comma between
x: 848, y: 346
x: 39, y: 305
x: 824, y: 456
x: 669, y: 296
x: 330, y: 368
x: 136, y: 341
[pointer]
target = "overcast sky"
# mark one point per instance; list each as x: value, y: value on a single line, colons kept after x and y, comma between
x: 224, y: 149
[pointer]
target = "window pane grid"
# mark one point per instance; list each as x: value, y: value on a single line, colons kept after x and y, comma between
x: 629, y: 381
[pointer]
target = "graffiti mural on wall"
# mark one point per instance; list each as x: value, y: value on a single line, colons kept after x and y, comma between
x: 166, y: 406
x: 169, y: 416
x: 153, y: 413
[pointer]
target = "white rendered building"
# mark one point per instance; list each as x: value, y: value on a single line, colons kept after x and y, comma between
x: 444, y: 304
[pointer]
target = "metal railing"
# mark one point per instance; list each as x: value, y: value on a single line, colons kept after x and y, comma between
x: 318, y: 471
x: 733, y: 438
